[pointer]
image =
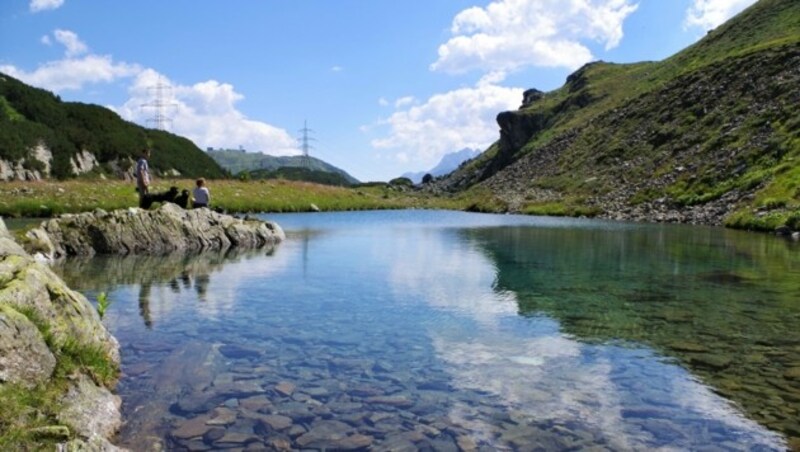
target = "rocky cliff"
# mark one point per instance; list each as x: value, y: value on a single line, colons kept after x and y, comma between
x: 55, y: 355
x: 167, y: 229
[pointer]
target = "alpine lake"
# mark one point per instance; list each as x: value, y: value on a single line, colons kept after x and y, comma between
x: 446, y: 331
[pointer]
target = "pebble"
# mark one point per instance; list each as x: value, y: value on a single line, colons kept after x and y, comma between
x: 285, y: 388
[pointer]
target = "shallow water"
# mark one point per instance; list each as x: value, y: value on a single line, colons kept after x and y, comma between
x: 406, y: 330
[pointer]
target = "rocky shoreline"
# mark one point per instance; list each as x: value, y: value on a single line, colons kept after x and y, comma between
x: 42, y: 320
x: 167, y: 229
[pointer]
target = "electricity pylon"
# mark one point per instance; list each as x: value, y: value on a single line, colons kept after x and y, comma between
x: 159, y: 104
x: 305, y: 146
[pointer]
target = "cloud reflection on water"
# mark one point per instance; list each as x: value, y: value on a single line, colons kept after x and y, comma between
x: 545, y: 377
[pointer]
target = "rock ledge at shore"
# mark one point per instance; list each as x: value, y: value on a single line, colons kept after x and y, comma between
x: 136, y: 231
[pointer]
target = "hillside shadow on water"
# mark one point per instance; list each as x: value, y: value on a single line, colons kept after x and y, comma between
x: 723, y: 304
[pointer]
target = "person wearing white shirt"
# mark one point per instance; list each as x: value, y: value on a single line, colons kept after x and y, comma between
x: 200, y: 194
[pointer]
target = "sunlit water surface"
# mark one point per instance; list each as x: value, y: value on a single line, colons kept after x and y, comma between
x: 426, y: 330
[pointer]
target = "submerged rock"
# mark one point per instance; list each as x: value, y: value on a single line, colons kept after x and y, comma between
x: 136, y: 231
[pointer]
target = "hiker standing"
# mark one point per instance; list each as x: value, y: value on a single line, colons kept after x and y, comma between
x: 142, y: 173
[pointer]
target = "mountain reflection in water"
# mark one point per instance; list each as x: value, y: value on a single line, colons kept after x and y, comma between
x: 419, y: 329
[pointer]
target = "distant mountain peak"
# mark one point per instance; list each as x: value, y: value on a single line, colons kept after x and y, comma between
x: 447, y: 164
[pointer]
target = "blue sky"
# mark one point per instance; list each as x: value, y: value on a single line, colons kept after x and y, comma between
x: 387, y: 86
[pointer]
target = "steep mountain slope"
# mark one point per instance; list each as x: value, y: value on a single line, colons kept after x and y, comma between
x: 239, y: 161
x: 705, y: 136
x: 42, y: 136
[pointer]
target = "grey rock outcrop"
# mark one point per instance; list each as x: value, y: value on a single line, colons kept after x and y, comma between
x: 10, y: 170
x: 83, y: 162
x: 39, y: 315
x: 24, y: 356
x: 530, y: 96
x: 20, y: 169
x: 135, y: 231
x: 91, y: 408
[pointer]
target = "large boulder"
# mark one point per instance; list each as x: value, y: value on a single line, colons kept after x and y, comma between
x: 136, y: 231
x: 34, y: 290
x: 39, y: 317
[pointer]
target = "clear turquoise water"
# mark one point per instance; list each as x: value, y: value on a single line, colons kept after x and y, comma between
x: 425, y: 330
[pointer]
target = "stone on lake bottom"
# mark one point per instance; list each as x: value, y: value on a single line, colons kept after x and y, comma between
x: 192, y: 428
x: 279, y: 443
x: 255, y: 403
x: 285, y: 388
x: 222, y: 416
x: 686, y: 346
x: 276, y: 422
x: 713, y: 362
x: 466, y: 444
x: 213, y: 435
x: 235, y: 439
x: 792, y: 373
x: 238, y: 352
x: 396, y: 401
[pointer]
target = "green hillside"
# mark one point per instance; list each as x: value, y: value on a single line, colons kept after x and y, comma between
x: 263, y: 165
x: 709, y: 135
x: 301, y: 174
x: 29, y: 116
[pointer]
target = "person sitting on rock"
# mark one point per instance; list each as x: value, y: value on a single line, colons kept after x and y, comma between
x: 200, y: 194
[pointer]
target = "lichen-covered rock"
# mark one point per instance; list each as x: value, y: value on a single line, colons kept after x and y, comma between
x: 136, y: 231
x: 34, y: 303
x: 90, y: 409
x: 24, y: 356
x: 30, y: 286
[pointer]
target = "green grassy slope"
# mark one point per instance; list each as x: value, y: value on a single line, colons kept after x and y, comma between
x: 300, y: 174
x: 29, y: 116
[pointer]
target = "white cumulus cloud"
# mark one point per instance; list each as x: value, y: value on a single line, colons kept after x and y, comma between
x: 74, y: 73
x: 42, y: 5
x: 405, y: 101
x: 424, y: 132
x: 71, y: 41
x: 205, y: 113
x: 511, y: 34
x: 708, y: 14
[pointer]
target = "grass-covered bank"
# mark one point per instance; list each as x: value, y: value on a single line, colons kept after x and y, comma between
x: 48, y: 197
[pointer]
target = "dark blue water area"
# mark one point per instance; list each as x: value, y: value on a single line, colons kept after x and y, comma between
x: 430, y: 330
